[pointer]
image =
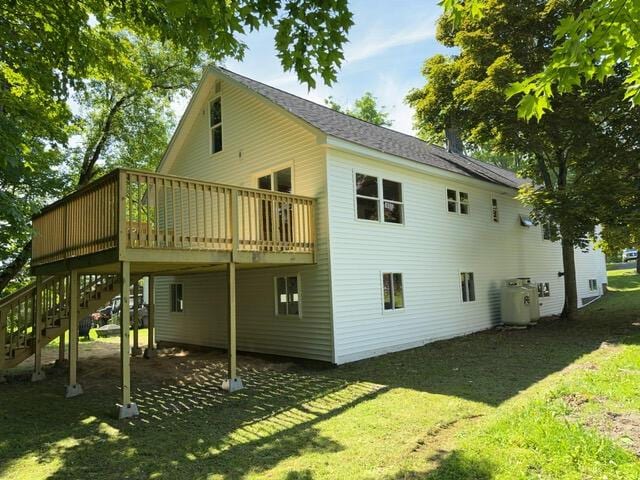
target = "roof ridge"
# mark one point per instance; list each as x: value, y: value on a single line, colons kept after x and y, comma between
x: 455, y: 160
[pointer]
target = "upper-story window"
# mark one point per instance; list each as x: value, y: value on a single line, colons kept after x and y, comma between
x: 215, y: 124
x: 457, y: 202
x: 374, y: 195
x: 549, y: 230
x: 495, y: 215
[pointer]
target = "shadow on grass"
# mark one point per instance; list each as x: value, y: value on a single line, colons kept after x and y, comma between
x: 191, y: 429
x: 493, y: 366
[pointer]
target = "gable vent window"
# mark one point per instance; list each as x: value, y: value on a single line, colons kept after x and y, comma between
x: 468, y: 287
x: 215, y: 124
x: 457, y: 202
x: 374, y: 195
x: 392, y: 291
x: 544, y: 290
x: 494, y: 210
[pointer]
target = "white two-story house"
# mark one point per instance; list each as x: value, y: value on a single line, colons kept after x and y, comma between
x: 412, y: 243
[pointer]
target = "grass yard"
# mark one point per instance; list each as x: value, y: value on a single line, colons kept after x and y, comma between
x: 556, y: 401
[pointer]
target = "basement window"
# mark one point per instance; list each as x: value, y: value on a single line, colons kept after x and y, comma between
x: 215, y: 124
x: 468, y: 287
x: 393, y: 292
x: 457, y: 202
x: 177, y: 302
x: 593, y: 285
x: 544, y: 290
x: 287, y: 295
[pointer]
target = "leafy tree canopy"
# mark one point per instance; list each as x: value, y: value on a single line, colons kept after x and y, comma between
x: 590, y: 42
x: 365, y: 108
x: 579, y: 156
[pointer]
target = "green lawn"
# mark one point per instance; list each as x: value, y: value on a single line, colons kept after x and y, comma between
x: 556, y: 401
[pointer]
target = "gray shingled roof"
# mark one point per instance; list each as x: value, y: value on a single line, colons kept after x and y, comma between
x: 388, y: 141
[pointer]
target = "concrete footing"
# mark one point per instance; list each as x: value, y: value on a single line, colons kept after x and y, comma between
x: 232, y: 384
x: 73, y: 390
x: 127, y: 411
x: 150, y: 353
x: 38, y: 376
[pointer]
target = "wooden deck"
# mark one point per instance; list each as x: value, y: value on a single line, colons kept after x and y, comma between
x: 157, y: 222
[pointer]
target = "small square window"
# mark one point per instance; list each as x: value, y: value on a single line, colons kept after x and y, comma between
x: 468, y: 287
x: 543, y: 289
x: 176, y: 299
x: 457, y: 202
x: 593, y: 285
x: 393, y: 292
x: 287, y: 296
x: 369, y: 203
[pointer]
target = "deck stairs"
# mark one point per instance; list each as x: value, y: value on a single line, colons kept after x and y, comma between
x: 18, y: 322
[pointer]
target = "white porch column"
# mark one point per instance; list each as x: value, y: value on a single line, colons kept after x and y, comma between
x: 127, y: 408
x: 74, y: 388
x: 38, y: 373
x: 150, y: 351
x: 232, y: 382
x: 135, y: 350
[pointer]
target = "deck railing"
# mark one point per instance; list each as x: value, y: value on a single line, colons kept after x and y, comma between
x: 144, y: 210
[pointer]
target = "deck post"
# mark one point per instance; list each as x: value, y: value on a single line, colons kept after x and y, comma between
x: 61, y: 348
x: 127, y: 408
x: 150, y: 351
x: 38, y: 373
x: 74, y: 388
x: 232, y: 382
x: 136, y: 350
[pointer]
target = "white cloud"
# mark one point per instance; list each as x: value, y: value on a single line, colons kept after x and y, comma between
x: 373, y: 45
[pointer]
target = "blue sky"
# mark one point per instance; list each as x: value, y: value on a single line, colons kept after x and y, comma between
x: 387, y: 46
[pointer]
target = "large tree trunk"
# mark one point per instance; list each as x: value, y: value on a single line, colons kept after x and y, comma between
x: 638, y: 264
x: 570, y: 289
x: 15, y: 266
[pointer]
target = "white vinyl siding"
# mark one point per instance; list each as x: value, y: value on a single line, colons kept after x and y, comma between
x: 257, y: 138
x: 429, y: 251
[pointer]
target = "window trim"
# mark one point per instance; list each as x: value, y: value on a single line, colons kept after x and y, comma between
x: 545, y: 286
x: 171, y: 304
x: 475, y: 290
x: 380, y: 199
x: 275, y: 296
x: 458, y: 201
x: 217, y: 96
x: 271, y: 171
x: 393, y: 309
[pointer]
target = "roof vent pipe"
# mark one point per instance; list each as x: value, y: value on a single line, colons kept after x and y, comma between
x: 454, y: 143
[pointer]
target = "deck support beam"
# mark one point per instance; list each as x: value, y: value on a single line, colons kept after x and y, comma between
x: 136, y: 350
x: 38, y: 373
x: 127, y: 408
x: 150, y: 351
x: 74, y: 388
x: 232, y: 382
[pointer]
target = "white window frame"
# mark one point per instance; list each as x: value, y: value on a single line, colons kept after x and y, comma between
x: 595, y: 285
x: 475, y: 289
x: 212, y: 127
x: 380, y: 199
x: 495, y: 210
x: 271, y: 172
x: 458, y: 201
x: 393, y: 308
x: 172, y: 285
x: 551, y: 227
x: 546, y: 287
x: 276, y: 300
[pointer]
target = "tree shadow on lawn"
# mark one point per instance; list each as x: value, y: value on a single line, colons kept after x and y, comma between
x: 189, y: 429
x: 493, y: 366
